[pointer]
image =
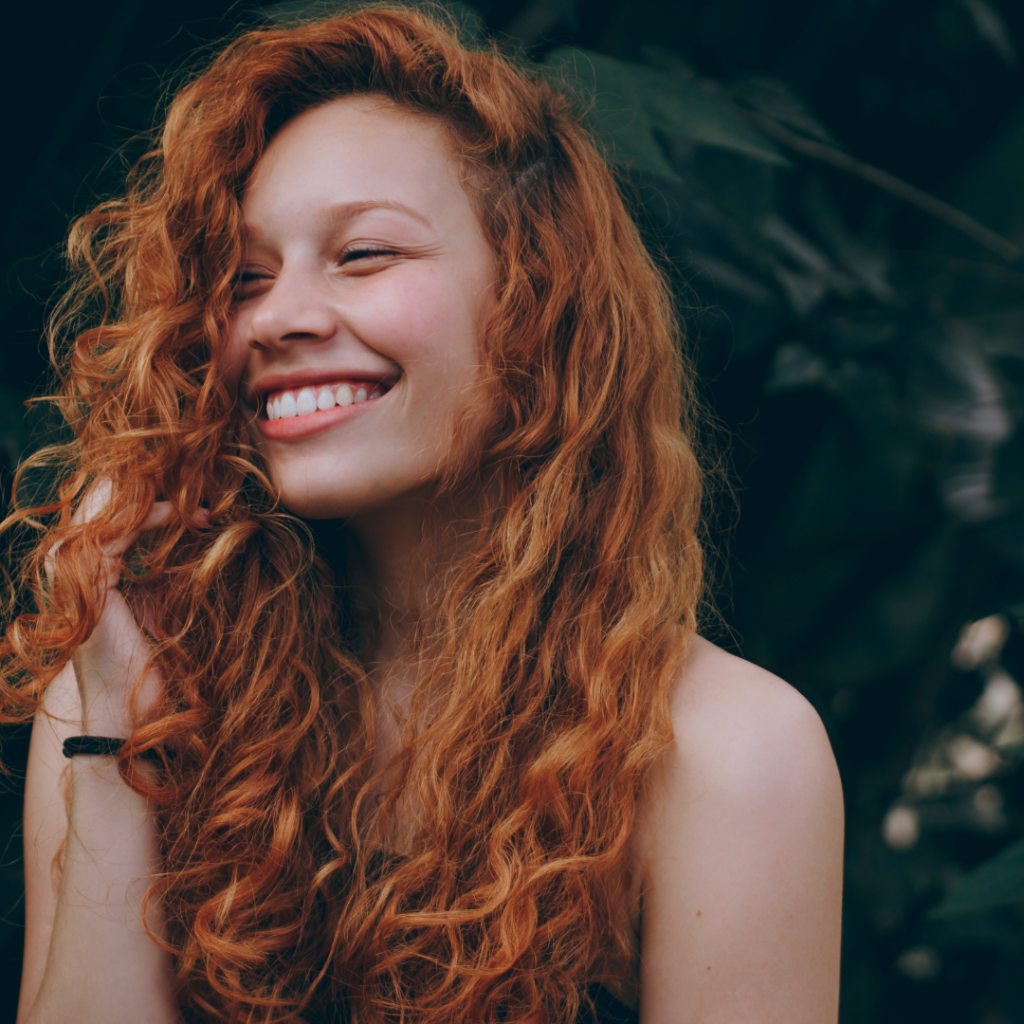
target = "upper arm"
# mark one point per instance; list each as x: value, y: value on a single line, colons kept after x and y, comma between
x: 742, y: 862
x: 45, y: 825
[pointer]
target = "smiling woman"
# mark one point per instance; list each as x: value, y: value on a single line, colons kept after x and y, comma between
x: 366, y: 277
x: 376, y: 567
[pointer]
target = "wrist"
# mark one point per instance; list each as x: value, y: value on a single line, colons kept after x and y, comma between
x: 101, y: 718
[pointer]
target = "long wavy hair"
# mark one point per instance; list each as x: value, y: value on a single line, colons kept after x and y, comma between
x: 546, y: 664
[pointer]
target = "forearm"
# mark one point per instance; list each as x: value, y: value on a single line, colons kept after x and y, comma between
x: 102, y: 967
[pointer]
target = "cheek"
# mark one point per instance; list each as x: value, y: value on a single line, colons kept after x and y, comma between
x: 423, y: 321
x: 232, y: 354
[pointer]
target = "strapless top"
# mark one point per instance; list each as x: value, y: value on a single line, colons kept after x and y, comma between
x: 607, y: 1009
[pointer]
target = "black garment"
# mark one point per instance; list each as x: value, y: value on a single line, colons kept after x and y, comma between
x: 607, y: 1009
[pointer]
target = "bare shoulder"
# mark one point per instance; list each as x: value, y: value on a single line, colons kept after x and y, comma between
x: 746, y: 743
x: 745, y: 727
x: 740, y: 848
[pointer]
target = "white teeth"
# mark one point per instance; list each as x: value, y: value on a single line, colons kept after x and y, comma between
x: 306, y: 402
x: 287, y: 406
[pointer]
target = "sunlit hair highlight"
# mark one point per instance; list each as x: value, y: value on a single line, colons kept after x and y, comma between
x: 545, y: 668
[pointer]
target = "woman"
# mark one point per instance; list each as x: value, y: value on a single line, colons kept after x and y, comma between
x: 378, y: 549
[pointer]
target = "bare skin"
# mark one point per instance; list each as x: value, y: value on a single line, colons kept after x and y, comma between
x: 87, y: 956
x: 367, y: 263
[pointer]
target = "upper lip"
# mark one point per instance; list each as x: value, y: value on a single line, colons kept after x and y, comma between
x: 299, y: 378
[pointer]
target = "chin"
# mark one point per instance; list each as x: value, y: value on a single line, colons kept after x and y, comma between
x: 316, y: 506
x: 334, y: 503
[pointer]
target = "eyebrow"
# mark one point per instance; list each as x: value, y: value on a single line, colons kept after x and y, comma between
x: 341, y: 212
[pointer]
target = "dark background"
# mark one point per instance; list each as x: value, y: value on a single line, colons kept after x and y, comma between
x: 863, y: 358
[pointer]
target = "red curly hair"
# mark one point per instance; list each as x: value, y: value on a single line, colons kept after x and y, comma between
x: 551, y: 653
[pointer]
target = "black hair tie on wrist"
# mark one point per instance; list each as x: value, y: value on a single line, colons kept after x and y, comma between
x: 108, y: 746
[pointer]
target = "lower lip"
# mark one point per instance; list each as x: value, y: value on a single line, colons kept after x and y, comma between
x: 295, y: 428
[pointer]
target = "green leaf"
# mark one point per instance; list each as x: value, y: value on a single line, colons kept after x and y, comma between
x: 293, y: 13
x: 680, y: 108
x: 997, y: 882
x: 632, y: 102
x: 773, y: 97
x: 617, y: 110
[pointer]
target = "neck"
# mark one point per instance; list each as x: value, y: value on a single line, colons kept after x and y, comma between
x: 403, y: 551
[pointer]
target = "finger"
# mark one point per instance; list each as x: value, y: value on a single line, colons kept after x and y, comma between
x: 95, y: 502
x: 98, y: 499
x: 162, y: 514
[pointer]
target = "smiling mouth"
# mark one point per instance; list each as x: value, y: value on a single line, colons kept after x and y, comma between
x: 290, y: 403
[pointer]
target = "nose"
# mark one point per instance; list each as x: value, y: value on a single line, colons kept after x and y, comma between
x: 294, y: 309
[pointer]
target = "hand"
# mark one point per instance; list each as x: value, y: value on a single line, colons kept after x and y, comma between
x: 114, y: 656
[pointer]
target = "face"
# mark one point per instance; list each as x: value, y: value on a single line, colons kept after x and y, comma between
x: 354, y: 341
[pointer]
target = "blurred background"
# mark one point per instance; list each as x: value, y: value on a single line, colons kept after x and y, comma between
x: 837, y: 190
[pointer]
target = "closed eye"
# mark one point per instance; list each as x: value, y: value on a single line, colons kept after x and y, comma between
x: 247, y: 281
x: 363, y: 252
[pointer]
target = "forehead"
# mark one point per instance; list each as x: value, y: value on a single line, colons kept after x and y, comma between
x: 355, y: 150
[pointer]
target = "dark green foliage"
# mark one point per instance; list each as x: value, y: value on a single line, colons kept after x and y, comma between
x: 995, y: 883
x: 865, y: 360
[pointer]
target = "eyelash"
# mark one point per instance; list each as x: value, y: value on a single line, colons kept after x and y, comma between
x: 249, y: 276
x: 365, y: 250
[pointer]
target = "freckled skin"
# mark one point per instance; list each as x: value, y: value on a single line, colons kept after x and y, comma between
x: 401, y: 294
